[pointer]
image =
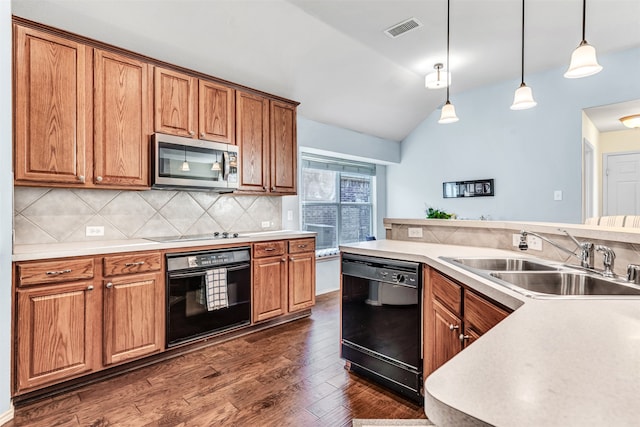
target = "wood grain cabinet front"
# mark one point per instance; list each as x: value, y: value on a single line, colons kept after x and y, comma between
x: 56, y: 336
x: 133, y: 317
x: 455, y: 316
x: 52, y: 77
x: 269, y: 287
x: 302, y: 274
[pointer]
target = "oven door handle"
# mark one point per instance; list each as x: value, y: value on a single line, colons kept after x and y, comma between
x: 203, y: 272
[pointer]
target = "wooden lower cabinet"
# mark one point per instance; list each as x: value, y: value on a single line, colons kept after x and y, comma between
x: 302, y: 276
x: 269, y: 287
x: 455, y: 317
x: 56, y: 333
x: 133, y: 322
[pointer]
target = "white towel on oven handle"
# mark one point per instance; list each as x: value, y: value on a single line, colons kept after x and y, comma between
x: 216, y: 289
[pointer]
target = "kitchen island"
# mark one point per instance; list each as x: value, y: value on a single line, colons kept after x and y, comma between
x: 552, y: 362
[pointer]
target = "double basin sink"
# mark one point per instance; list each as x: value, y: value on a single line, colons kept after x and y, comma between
x: 546, y: 279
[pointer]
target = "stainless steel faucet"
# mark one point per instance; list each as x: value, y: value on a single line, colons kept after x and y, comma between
x: 609, y: 258
x: 586, y: 248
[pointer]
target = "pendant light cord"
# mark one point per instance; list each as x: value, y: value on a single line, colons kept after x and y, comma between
x: 584, y: 18
x: 522, y: 51
x: 448, y: 66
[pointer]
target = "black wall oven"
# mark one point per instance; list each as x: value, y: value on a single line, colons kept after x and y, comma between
x: 382, y: 321
x: 208, y: 292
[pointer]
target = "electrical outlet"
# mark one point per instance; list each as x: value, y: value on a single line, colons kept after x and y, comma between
x: 516, y: 240
x: 266, y: 224
x: 94, y: 230
x: 535, y: 243
x: 557, y: 195
x: 414, y: 232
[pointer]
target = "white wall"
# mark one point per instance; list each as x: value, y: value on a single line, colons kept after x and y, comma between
x: 529, y: 153
x: 6, y: 203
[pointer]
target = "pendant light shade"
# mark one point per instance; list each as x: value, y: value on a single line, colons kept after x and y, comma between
x: 583, y: 60
x: 438, y: 79
x: 523, y: 98
x: 185, y: 165
x: 448, y: 114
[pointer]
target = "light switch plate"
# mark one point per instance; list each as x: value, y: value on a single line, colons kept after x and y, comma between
x: 94, y: 230
x: 414, y: 231
x: 557, y: 195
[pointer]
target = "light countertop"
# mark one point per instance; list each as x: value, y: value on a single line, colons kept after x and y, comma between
x: 98, y: 247
x: 552, y: 362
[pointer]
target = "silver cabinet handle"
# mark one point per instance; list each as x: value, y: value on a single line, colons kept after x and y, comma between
x: 98, y: 178
x: 81, y: 178
x: 453, y: 327
x: 463, y: 337
x: 291, y: 258
x: 269, y: 249
x: 109, y: 285
x: 302, y: 246
x: 131, y: 264
x: 201, y: 134
x: 56, y: 273
x: 273, y: 188
x: 90, y: 287
x: 283, y: 260
x: 191, y: 133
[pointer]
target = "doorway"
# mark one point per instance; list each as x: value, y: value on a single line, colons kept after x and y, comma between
x: 621, y: 183
x: 588, y: 179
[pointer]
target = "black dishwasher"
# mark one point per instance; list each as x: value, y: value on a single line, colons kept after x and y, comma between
x: 381, y: 321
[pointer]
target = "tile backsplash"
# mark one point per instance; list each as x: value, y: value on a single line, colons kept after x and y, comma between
x: 45, y: 215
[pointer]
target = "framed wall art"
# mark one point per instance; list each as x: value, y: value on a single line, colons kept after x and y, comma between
x: 475, y: 188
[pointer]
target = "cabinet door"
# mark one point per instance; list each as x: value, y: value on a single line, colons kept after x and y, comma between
x: 216, y: 112
x: 480, y: 314
x: 252, y: 137
x: 133, y: 317
x: 175, y: 103
x: 284, y: 153
x: 52, y: 114
x: 122, y: 118
x: 54, y: 333
x: 446, y: 331
x: 302, y: 281
x: 269, y: 288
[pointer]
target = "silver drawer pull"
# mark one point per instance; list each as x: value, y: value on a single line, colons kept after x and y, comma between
x: 269, y: 249
x: 55, y: 273
x: 302, y: 246
x: 453, y: 327
x: 131, y: 264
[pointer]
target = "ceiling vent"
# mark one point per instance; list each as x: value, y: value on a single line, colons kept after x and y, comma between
x: 403, y: 28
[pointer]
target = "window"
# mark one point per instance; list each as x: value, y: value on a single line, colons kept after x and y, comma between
x: 337, y: 200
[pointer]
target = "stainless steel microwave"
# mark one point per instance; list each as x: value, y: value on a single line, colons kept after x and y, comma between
x: 180, y: 163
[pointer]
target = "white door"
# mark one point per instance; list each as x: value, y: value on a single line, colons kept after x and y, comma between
x: 621, y: 184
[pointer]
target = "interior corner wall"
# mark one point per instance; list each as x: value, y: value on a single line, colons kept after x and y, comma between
x: 6, y: 215
x: 529, y: 153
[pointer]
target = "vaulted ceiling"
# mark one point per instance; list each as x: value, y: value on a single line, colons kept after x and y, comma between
x: 332, y: 55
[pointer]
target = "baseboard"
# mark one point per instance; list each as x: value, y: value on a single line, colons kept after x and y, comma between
x: 7, y: 416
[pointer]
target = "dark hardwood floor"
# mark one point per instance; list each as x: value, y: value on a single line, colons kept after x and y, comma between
x: 288, y: 375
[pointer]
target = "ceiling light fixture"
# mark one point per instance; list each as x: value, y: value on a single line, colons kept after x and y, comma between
x: 632, y: 121
x: 583, y: 59
x: 448, y: 114
x: 523, y: 97
x: 437, y: 79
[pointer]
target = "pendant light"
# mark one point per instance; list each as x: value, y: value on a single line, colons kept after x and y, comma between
x: 185, y: 165
x: 438, y: 79
x: 448, y: 114
x: 523, y: 97
x: 583, y: 60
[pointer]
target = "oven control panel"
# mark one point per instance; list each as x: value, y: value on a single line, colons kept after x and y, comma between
x: 207, y: 259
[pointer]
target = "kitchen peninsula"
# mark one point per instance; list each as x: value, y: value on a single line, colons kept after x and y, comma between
x: 552, y: 361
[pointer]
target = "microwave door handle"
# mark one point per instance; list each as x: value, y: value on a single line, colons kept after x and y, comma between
x: 227, y: 166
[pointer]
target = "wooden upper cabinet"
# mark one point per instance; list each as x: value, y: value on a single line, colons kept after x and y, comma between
x: 122, y: 120
x: 216, y: 112
x: 175, y: 103
x: 252, y: 136
x: 284, y: 154
x: 52, y: 117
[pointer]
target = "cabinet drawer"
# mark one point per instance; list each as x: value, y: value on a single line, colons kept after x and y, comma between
x: 447, y: 292
x: 131, y: 263
x: 55, y: 271
x: 480, y: 314
x: 264, y: 249
x: 302, y: 245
